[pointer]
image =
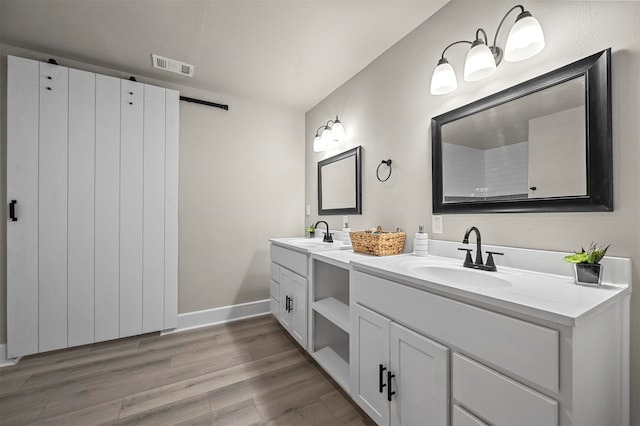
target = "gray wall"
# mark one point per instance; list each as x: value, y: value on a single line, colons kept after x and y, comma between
x: 241, y: 182
x: 387, y: 108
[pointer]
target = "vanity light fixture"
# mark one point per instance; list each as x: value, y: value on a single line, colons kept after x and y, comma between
x: 525, y: 40
x: 328, y: 134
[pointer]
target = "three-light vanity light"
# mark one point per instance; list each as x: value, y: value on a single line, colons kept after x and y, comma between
x: 328, y: 134
x: 525, y: 40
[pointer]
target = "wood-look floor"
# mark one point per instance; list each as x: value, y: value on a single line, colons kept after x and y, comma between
x: 247, y: 372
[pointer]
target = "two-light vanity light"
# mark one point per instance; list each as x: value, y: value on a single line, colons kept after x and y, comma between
x: 328, y: 134
x: 525, y: 40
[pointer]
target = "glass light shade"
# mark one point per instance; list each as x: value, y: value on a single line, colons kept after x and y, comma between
x: 443, y: 79
x: 525, y: 39
x: 480, y: 62
x: 325, y: 137
x: 337, y: 131
x: 318, y: 145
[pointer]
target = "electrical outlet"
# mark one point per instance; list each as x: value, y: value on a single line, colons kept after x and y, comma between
x: 308, y: 210
x: 436, y: 224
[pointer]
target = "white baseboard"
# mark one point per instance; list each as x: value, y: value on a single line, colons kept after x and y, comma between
x: 4, y: 361
x: 197, y: 319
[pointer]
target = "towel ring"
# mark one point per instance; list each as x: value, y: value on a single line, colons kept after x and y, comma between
x: 388, y: 163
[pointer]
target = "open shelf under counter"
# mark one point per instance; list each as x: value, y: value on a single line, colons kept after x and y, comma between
x: 334, y: 359
x: 335, y: 311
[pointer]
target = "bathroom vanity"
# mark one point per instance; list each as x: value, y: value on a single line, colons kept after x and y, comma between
x: 425, y: 341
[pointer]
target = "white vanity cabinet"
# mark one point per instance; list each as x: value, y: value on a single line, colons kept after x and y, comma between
x: 459, y: 361
x: 289, y: 288
x: 399, y: 377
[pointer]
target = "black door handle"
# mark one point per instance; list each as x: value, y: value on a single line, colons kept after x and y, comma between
x: 389, y: 391
x: 381, y: 385
x: 12, y: 211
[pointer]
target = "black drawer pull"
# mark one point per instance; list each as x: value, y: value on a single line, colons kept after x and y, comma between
x: 389, y: 391
x: 12, y: 211
x: 381, y: 385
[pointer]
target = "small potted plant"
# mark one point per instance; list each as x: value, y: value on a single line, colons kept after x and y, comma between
x: 587, y: 269
x: 311, y: 232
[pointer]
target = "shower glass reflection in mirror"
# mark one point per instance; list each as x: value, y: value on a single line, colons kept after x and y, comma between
x: 530, y: 147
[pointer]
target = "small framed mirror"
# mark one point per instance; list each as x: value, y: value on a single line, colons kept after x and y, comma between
x: 340, y: 183
x: 541, y: 146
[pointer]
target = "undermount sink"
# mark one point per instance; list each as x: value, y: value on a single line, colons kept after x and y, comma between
x: 313, y: 244
x: 458, y: 276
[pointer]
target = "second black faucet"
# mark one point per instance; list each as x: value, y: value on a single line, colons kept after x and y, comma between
x: 328, y: 237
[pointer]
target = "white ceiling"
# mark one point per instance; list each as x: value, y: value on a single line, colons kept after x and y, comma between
x: 288, y: 52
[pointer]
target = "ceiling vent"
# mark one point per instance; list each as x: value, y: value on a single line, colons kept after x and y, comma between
x: 172, y: 65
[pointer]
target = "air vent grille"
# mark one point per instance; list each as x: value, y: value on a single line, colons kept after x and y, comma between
x: 172, y: 65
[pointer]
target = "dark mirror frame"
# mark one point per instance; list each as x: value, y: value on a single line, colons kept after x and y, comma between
x: 597, y: 71
x: 357, y: 152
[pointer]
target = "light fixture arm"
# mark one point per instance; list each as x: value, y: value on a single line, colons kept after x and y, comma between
x: 495, y: 39
x: 453, y: 44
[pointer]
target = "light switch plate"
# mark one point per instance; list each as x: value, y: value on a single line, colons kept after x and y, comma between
x: 436, y: 224
x: 308, y: 210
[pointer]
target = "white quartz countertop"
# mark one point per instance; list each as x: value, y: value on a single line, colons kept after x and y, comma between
x: 528, y: 281
x: 308, y: 245
x: 547, y: 296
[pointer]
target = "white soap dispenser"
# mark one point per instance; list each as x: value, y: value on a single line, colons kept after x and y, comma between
x: 346, y: 238
x: 421, y: 243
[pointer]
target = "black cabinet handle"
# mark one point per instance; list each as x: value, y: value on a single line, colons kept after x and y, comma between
x: 389, y: 391
x: 286, y: 303
x: 381, y: 385
x: 12, y: 211
x: 290, y: 304
x: 533, y: 188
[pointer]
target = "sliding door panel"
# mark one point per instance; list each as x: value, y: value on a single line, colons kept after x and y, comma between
x: 82, y: 102
x: 131, y: 204
x: 153, y: 223
x: 52, y: 236
x: 23, y: 76
x: 172, y: 123
x: 107, y: 202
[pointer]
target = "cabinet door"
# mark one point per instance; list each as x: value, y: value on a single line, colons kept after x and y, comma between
x: 370, y: 362
x: 299, y: 305
x: 286, y: 292
x: 421, y: 386
x: 22, y: 186
x: 52, y: 206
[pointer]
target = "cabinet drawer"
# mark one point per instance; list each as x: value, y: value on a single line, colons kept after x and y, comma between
x: 527, y: 350
x: 497, y: 398
x: 292, y: 260
x: 461, y: 417
x: 274, y: 305
x: 275, y: 272
x: 275, y: 290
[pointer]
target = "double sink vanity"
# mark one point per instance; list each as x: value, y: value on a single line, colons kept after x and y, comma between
x: 426, y: 341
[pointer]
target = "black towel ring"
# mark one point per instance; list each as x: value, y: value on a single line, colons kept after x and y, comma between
x: 388, y: 163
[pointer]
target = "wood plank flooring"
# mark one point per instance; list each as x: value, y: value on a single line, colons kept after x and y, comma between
x: 248, y: 372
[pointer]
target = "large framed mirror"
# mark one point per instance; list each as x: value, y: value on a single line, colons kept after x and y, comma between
x: 340, y: 183
x: 541, y: 146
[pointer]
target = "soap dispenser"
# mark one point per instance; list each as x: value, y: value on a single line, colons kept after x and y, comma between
x: 421, y: 243
x: 346, y: 237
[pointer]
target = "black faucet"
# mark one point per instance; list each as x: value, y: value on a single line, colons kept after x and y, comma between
x: 478, y: 264
x: 328, y: 237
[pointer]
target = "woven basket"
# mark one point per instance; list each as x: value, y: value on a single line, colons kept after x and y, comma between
x: 379, y: 244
